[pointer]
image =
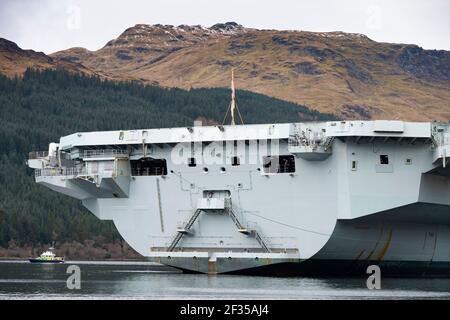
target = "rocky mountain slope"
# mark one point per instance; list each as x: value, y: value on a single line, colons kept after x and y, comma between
x: 346, y: 74
x: 14, y: 60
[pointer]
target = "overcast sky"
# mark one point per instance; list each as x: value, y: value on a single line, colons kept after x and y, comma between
x: 52, y: 25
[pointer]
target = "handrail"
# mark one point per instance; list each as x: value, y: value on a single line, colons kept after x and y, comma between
x: 104, y: 153
x: 37, y: 154
x: 156, y: 171
x: 60, y: 171
x: 441, y: 139
x: 186, y: 227
x: 296, y: 141
x: 252, y: 227
x: 236, y: 215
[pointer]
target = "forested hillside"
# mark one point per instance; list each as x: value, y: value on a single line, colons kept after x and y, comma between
x: 41, y: 106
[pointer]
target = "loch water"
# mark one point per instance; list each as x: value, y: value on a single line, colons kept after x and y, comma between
x: 146, y: 280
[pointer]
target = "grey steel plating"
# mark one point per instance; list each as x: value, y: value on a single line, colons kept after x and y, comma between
x: 297, y: 198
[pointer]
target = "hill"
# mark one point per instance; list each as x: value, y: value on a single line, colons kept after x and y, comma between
x: 346, y: 74
x: 14, y: 61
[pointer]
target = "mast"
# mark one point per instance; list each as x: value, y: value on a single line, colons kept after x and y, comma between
x: 233, y: 103
x: 233, y: 106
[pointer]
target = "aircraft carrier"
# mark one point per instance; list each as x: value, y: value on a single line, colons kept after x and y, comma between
x: 312, y: 198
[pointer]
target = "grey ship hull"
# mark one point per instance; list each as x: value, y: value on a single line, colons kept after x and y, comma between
x: 339, y: 258
x: 344, y: 196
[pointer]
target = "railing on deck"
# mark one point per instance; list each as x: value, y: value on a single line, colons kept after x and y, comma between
x: 70, y: 171
x: 156, y: 171
x: 104, y: 153
x: 440, y: 134
x: 302, y: 141
x: 442, y: 139
x: 309, y: 139
x: 37, y: 154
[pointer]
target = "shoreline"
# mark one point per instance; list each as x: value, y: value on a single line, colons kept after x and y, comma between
x: 12, y: 259
x: 93, y: 249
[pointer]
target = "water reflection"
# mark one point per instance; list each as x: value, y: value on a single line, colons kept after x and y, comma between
x: 149, y: 281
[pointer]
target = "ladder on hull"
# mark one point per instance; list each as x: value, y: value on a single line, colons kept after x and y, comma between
x: 229, y: 210
x: 183, y: 231
x: 245, y: 230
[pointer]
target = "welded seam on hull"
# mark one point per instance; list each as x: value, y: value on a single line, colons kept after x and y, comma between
x: 369, y: 257
x: 159, y: 205
x: 385, y: 247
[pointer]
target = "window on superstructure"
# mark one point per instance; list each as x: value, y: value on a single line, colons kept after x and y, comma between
x: 384, y: 159
x: 148, y: 167
x: 279, y: 164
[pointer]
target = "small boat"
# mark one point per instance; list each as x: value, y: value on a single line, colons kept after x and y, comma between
x: 47, y: 257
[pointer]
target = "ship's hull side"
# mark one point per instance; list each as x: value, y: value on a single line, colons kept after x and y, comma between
x: 366, y: 193
x: 400, y: 248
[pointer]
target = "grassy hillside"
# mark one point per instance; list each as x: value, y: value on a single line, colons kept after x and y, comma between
x: 44, y: 105
x: 346, y: 74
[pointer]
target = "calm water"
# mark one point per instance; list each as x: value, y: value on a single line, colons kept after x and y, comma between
x: 125, y: 280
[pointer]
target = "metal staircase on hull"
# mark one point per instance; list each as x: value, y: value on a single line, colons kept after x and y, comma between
x: 228, y: 208
x: 181, y: 232
x: 243, y: 229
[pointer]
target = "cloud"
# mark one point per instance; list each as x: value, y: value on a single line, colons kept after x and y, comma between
x: 52, y: 25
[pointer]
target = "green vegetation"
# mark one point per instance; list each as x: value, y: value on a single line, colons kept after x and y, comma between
x: 45, y: 105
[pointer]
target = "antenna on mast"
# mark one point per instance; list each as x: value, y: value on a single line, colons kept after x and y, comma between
x: 233, y: 96
x: 233, y: 105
